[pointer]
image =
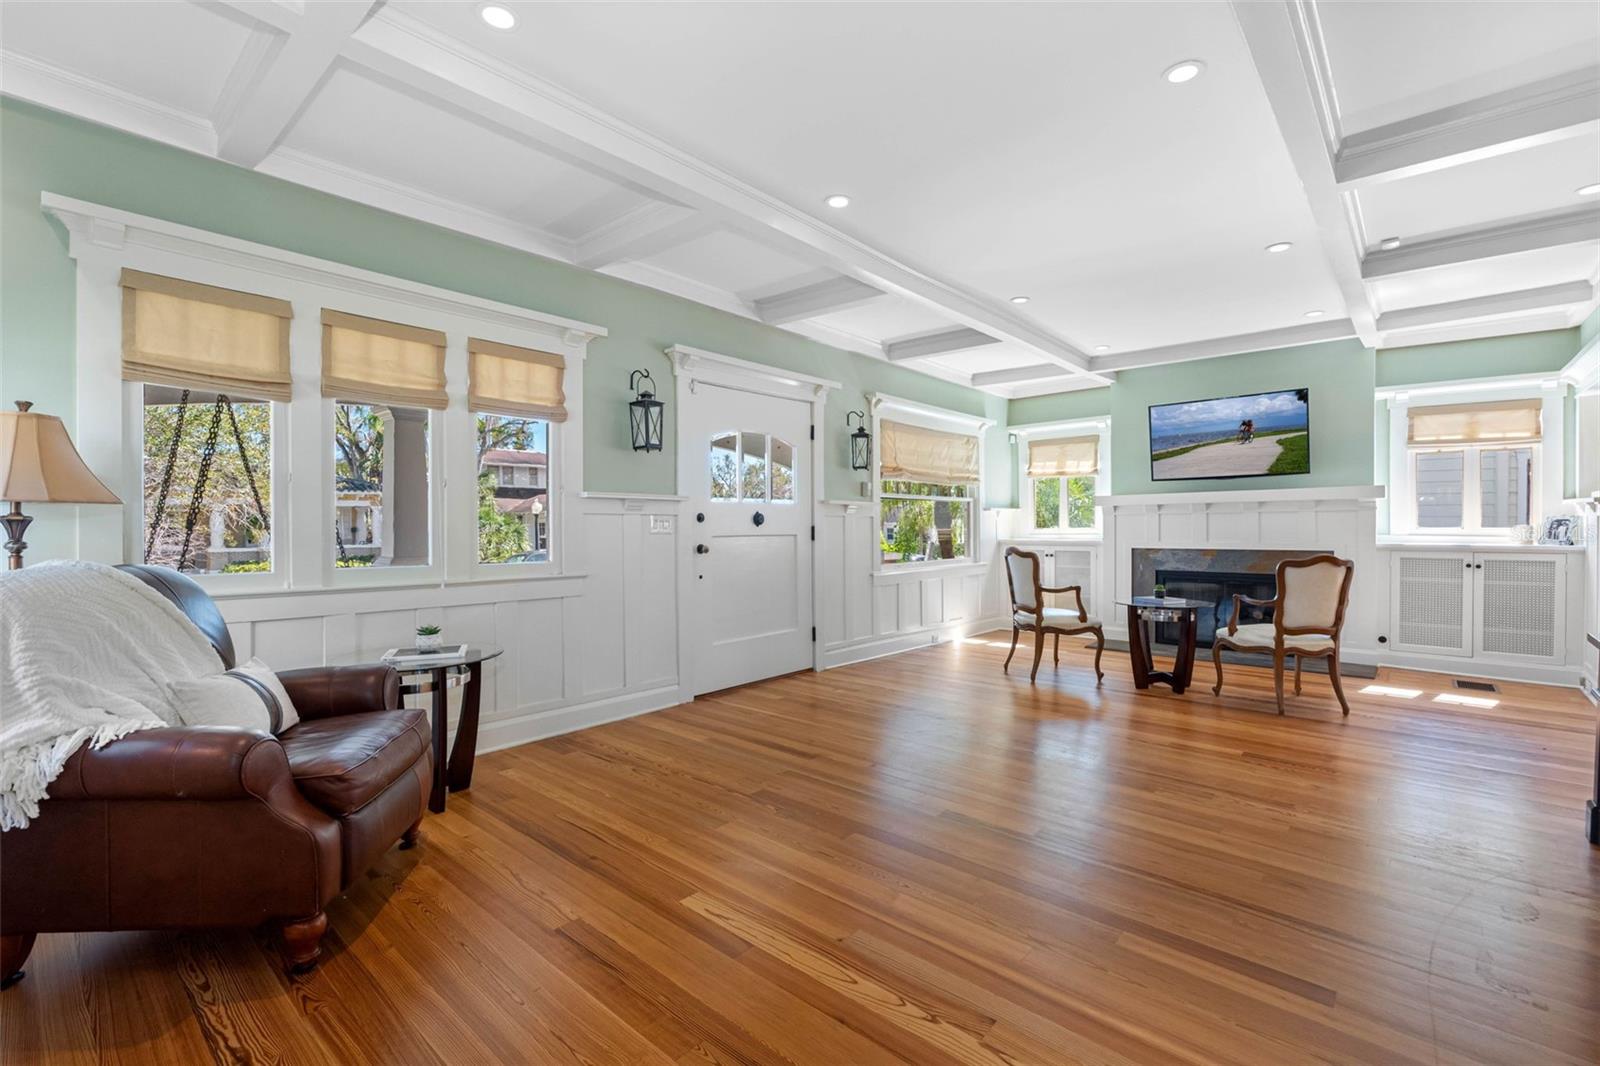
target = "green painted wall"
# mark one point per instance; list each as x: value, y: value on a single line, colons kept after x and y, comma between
x: 1338, y: 373
x: 1589, y: 328
x: 1525, y: 353
x: 42, y: 150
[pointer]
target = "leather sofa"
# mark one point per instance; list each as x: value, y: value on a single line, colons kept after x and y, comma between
x: 210, y: 826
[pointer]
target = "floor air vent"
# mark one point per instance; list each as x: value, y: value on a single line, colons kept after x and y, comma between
x: 1476, y: 686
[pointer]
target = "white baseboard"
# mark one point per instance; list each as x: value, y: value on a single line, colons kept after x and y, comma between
x: 1533, y: 673
x: 526, y: 727
x: 845, y: 653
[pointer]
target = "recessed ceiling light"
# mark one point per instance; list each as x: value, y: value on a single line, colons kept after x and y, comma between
x: 1389, y: 244
x: 498, y: 17
x: 1188, y: 70
x: 1102, y: 347
x: 1280, y: 246
x: 1589, y: 190
x: 1019, y: 299
x: 838, y: 200
x: 1314, y: 314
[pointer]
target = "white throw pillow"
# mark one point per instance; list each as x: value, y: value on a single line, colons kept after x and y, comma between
x: 248, y: 697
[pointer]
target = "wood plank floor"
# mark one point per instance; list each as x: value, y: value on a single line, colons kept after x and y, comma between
x: 921, y: 860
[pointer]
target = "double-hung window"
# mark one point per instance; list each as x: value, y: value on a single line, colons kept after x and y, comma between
x: 516, y: 395
x: 385, y: 379
x: 1061, y: 477
x: 209, y: 363
x: 928, y: 482
x: 1474, y: 467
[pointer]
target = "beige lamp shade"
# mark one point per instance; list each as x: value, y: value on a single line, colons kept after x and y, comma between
x: 38, y: 463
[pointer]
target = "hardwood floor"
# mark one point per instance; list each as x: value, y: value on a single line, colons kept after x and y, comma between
x: 922, y: 860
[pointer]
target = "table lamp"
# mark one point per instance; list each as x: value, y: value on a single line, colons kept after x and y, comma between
x: 38, y: 464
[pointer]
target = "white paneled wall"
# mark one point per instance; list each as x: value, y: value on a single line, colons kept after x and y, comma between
x: 597, y: 644
x: 863, y: 614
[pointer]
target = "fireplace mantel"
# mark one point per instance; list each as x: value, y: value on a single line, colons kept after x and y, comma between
x: 1260, y: 496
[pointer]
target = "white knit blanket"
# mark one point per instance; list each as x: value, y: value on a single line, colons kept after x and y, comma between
x: 86, y: 655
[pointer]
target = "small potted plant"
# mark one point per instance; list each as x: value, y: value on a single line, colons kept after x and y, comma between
x: 1160, y: 592
x: 428, y: 638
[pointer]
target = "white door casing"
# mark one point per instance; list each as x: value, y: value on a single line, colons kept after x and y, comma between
x: 747, y: 598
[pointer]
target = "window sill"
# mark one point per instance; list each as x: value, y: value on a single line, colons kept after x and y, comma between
x: 1458, y: 542
x: 392, y: 585
x: 1055, y: 538
x: 889, y: 572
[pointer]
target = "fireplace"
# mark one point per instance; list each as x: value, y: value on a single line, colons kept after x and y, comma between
x: 1211, y: 576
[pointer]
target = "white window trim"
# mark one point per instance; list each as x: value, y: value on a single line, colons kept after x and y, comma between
x: 1080, y: 427
x: 1548, y: 454
x: 928, y: 416
x: 1471, y: 489
x: 104, y: 240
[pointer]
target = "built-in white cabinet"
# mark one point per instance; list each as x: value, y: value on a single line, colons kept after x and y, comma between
x: 1497, y: 605
x: 1061, y: 565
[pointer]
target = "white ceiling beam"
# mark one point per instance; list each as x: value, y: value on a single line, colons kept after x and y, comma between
x: 641, y: 234
x: 274, y: 80
x: 1524, y: 117
x: 1579, y: 225
x: 1508, y: 303
x: 814, y: 301
x: 1266, y: 340
x: 398, y: 46
x: 1283, y: 45
x: 1017, y: 375
x: 940, y: 342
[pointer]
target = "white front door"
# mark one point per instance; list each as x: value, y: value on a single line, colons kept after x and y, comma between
x: 748, y: 535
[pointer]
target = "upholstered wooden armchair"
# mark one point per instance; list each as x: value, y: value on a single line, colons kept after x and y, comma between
x: 1307, y: 617
x: 1029, y: 612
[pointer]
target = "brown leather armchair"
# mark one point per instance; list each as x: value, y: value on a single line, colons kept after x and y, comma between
x: 209, y: 826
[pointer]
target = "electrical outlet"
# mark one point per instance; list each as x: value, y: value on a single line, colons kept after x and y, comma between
x: 661, y: 523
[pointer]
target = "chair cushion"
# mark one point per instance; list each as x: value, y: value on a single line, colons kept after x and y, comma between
x: 341, y: 763
x: 1055, y: 618
x: 1262, y: 635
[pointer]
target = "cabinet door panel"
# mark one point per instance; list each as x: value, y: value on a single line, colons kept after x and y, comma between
x: 1521, y: 604
x: 1432, y: 603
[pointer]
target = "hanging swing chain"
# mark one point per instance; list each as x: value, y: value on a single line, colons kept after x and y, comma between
x: 166, y: 476
x: 206, y: 455
x: 249, y: 473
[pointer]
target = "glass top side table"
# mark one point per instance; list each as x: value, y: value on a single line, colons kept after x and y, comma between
x: 1143, y: 610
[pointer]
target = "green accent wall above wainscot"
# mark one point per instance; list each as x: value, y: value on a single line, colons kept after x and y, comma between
x: 1486, y: 357
x: 47, y: 151
x: 1338, y: 373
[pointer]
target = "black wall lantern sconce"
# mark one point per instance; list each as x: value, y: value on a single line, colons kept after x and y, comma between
x: 645, y: 412
x: 860, y: 442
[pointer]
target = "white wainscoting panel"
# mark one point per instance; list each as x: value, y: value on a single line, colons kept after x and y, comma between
x: 580, y: 649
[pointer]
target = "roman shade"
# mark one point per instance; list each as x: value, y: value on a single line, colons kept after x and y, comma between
x: 503, y: 379
x: 1499, y: 422
x: 912, y: 453
x: 1064, y: 457
x: 186, y: 334
x: 369, y: 360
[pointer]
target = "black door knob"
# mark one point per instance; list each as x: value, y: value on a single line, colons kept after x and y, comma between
x: 759, y: 518
x: 700, y: 517
x: 701, y: 549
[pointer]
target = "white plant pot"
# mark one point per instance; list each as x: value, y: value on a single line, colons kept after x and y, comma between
x: 429, y: 643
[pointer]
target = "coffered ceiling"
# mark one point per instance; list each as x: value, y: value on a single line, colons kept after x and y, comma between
x: 989, y: 151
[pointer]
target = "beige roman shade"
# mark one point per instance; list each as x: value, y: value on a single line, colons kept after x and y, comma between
x: 185, y: 334
x: 1064, y: 457
x: 369, y: 360
x: 1499, y: 422
x: 503, y: 379
x: 912, y: 453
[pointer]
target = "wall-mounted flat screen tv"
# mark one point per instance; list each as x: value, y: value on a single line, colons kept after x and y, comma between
x: 1233, y: 436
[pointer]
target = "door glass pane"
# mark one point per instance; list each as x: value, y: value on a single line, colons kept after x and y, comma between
x: 1506, y: 478
x: 753, y: 472
x: 1439, y: 479
x: 724, y: 468
x: 1046, y: 502
x: 782, y: 470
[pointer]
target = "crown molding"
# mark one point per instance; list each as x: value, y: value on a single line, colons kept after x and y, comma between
x: 91, y: 226
x: 47, y: 85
